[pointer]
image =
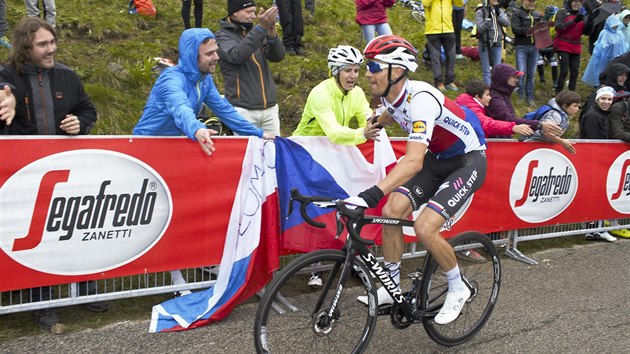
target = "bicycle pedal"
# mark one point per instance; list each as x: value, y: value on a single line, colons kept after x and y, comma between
x: 384, y: 310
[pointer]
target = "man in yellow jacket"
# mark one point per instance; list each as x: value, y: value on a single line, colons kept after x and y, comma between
x: 440, y: 33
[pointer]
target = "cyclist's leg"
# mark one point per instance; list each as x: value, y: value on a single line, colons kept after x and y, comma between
x: 464, y: 175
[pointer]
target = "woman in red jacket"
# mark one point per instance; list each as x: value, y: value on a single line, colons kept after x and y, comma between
x: 569, y: 26
x: 372, y: 17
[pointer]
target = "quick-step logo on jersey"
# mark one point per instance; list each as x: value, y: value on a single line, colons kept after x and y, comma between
x: 82, y: 211
x: 543, y: 184
x: 618, y: 184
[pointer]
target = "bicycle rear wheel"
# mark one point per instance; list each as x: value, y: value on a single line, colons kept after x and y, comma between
x: 305, y: 329
x: 485, y: 280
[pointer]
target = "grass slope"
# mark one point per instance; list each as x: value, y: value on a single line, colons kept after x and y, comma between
x: 112, y: 50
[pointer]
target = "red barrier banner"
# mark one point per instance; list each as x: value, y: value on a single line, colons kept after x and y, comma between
x: 73, y: 209
x: 81, y: 208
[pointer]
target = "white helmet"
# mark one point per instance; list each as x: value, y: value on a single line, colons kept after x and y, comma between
x: 342, y: 56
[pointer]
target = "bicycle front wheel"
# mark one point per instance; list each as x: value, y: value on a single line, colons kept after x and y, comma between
x: 305, y: 322
x: 484, y: 279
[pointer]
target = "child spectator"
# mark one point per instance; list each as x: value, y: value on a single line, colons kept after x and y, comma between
x: 372, y: 17
x: 610, y: 44
x: 490, y: 19
x: 569, y: 26
x: 594, y: 123
x: 504, y: 78
x: 476, y: 98
x: 565, y: 105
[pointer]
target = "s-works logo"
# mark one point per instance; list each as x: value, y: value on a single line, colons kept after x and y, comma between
x: 618, y: 184
x: 82, y: 211
x: 543, y: 185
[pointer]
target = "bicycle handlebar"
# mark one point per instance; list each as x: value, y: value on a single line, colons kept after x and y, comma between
x: 354, y: 214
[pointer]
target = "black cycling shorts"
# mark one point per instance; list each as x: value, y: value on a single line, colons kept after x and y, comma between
x: 446, y: 184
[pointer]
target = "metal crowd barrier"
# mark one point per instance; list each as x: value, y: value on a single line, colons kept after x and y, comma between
x: 200, y: 278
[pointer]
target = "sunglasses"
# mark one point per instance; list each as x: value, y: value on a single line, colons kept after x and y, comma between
x: 375, y: 67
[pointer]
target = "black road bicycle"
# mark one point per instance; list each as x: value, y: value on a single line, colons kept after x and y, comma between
x: 329, y: 319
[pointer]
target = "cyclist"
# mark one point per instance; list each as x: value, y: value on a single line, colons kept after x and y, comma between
x: 334, y: 102
x: 444, y: 164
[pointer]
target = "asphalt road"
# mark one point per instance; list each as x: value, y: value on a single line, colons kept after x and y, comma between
x: 575, y: 301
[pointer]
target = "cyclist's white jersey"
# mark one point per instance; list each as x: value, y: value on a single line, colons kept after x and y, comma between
x: 435, y: 120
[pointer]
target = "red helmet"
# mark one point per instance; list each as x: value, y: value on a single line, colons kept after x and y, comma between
x: 392, y: 49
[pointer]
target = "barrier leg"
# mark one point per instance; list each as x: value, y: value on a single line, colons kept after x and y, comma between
x: 512, y: 252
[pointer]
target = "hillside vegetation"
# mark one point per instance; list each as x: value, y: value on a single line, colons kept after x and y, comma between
x: 112, y: 51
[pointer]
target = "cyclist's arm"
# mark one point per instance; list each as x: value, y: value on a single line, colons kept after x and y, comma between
x: 408, y: 167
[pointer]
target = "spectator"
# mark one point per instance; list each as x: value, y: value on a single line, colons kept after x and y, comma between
x: 547, y: 54
x: 180, y: 91
x: 333, y: 104
x: 49, y: 10
x: 292, y: 23
x: 244, y: 49
x: 372, y: 17
x: 610, y: 44
x: 624, y: 17
x: 623, y: 59
x: 617, y: 78
x: 440, y: 34
x: 198, y: 12
x: 523, y: 20
x: 4, y: 25
x: 591, y: 8
x: 619, y: 121
x: 490, y: 19
x: 565, y: 105
x: 476, y: 98
x: 504, y: 78
x: 46, y: 98
x: 569, y: 26
x: 595, y: 125
x: 336, y: 101
x: 459, y: 12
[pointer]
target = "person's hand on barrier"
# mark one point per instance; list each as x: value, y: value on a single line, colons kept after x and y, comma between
x: 371, y: 131
x: 7, y: 105
x: 71, y: 124
x: 203, y: 137
x: 268, y: 135
x: 568, y: 145
x: 551, y: 128
x: 523, y: 129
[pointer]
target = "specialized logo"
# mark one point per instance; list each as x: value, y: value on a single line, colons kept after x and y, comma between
x: 618, y: 184
x: 82, y: 211
x: 543, y: 185
x: 419, y: 126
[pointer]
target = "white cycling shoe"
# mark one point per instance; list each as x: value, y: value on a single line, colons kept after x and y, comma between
x: 452, y: 307
x: 383, y: 297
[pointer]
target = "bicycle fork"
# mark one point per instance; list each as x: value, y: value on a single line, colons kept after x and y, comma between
x: 325, y: 319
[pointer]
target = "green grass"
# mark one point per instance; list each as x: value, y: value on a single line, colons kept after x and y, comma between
x: 112, y: 50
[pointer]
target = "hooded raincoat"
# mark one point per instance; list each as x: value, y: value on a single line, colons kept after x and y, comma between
x: 611, y: 43
x: 180, y: 91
